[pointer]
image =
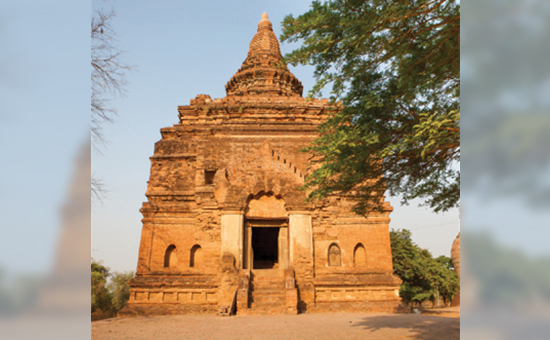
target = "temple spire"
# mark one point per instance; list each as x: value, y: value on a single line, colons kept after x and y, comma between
x: 262, y: 72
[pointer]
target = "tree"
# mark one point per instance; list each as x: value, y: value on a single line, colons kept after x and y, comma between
x: 101, y: 297
x: 108, y: 79
x: 447, y: 281
x: 118, y: 286
x: 395, y: 67
x: 422, y: 275
x: 110, y: 291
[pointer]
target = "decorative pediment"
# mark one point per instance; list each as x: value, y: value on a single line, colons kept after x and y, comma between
x: 266, y: 206
x: 264, y: 171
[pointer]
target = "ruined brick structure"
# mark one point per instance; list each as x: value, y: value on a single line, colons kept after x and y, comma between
x: 225, y: 228
x: 455, y: 256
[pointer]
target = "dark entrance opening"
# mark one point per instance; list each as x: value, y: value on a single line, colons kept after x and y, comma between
x: 265, y: 247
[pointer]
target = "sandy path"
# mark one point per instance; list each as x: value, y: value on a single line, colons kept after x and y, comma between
x: 305, y: 326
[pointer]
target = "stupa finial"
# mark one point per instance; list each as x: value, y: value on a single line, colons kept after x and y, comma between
x: 264, y: 22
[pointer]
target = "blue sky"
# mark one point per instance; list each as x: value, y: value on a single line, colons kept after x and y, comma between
x: 44, y: 121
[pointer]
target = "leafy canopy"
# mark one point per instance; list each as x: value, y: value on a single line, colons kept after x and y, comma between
x: 394, y: 65
x: 422, y: 275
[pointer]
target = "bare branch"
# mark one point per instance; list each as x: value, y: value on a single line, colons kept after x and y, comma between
x: 108, y: 73
x: 98, y: 189
x: 108, y: 76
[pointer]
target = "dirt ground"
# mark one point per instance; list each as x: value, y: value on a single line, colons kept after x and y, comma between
x: 440, y: 324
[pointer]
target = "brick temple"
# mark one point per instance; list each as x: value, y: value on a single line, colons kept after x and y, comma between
x: 225, y: 229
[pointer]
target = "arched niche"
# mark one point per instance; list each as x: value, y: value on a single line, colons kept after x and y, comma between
x: 196, y: 257
x: 170, y: 257
x: 266, y: 206
x: 334, y: 255
x: 359, y: 256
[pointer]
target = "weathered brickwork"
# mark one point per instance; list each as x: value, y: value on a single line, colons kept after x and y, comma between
x: 455, y: 255
x: 225, y: 226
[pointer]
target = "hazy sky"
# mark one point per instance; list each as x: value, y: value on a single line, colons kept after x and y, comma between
x: 181, y: 49
x: 44, y: 122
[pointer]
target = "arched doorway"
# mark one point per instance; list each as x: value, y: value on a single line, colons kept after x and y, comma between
x: 266, y: 233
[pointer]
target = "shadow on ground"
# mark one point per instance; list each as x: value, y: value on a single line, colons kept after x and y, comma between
x: 420, y: 327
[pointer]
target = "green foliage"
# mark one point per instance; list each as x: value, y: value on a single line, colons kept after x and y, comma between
x: 101, y: 297
x: 422, y: 275
x: 446, y: 278
x: 109, y: 291
x: 395, y: 65
x: 119, y: 289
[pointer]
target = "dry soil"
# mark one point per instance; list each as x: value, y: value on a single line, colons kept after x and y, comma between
x: 440, y: 324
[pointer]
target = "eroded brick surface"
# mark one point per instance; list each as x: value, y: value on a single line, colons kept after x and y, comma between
x: 455, y: 255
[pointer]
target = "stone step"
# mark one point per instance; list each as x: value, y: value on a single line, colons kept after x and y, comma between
x: 266, y: 305
x: 270, y: 287
x: 267, y: 290
x: 262, y: 311
x: 267, y: 274
x: 267, y: 295
x: 262, y: 281
x: 267, y: 279
x: 267, y: 282
x: 275, y: 299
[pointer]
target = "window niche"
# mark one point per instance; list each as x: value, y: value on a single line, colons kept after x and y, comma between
x: 360, y: 256
x: 170, y: 257
x: 209, y: 177
x: 195, y: 258
x: 334, y: 256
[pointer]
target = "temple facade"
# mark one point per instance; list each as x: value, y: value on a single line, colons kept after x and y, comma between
x: 225, y: 228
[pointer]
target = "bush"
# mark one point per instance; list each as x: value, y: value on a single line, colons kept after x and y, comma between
x: 422, y: 275
x: 110, y: 292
